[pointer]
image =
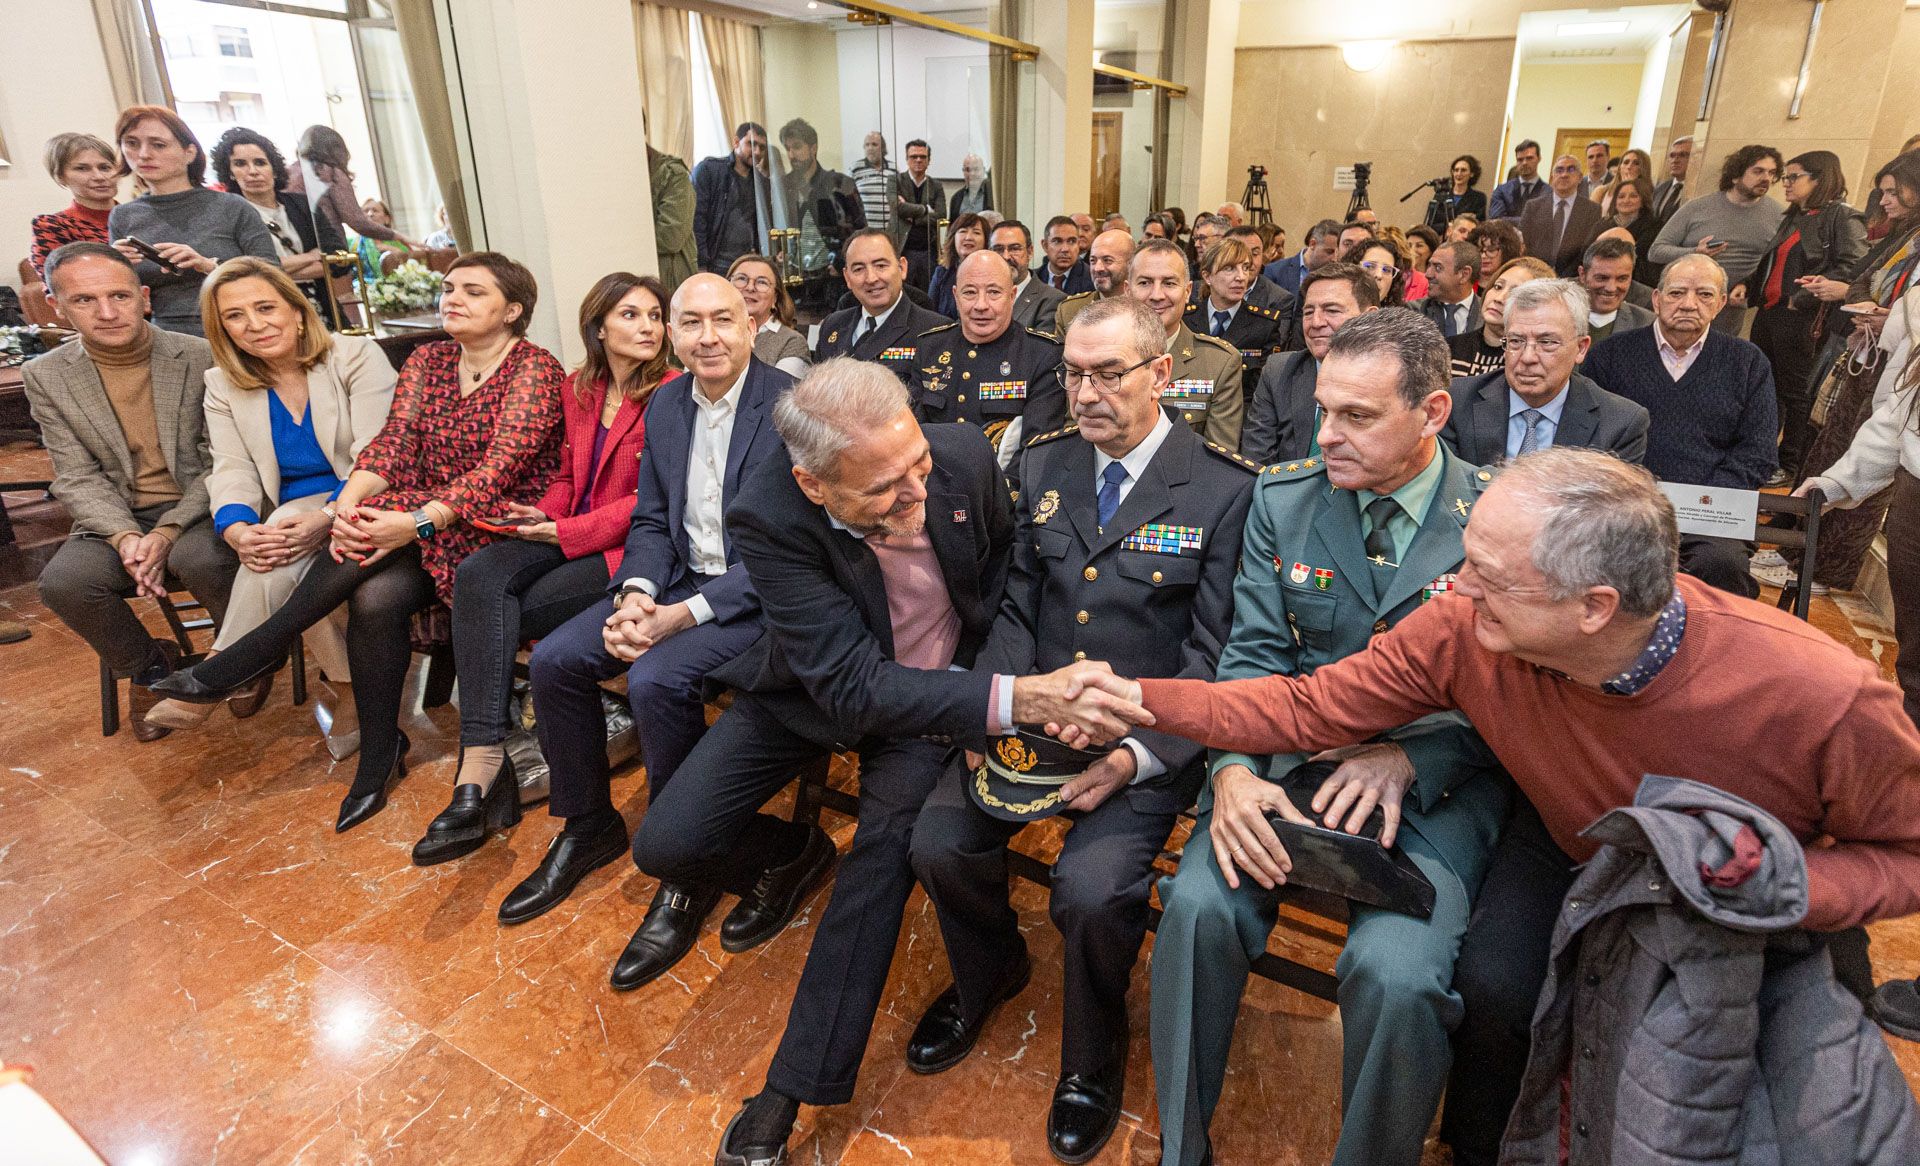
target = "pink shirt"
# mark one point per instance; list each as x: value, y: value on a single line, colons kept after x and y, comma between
x: 926, y: 629
x: 1677, y: 362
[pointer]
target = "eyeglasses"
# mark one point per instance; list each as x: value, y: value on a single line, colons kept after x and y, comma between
x: 1544, y: 345
x: 752, y: 283
x: 1793, y: 176
x: 1379, y: 268
x: 1106, y: 380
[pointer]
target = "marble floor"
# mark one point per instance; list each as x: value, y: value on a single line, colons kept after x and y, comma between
x: 199, y: 971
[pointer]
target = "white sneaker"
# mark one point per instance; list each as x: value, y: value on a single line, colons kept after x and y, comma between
x: 1768, y: 561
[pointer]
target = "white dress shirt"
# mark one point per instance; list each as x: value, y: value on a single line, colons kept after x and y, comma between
x: 704, y: 520
x: 868, y: 324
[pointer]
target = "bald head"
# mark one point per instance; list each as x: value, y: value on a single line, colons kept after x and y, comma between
x: 1107, y: 262
x: 1620, y: 233
x: 712, y: 334
x: 1695, y: 266
x: 983, y: 291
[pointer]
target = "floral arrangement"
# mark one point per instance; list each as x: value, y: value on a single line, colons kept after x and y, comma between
x: 410, y: 287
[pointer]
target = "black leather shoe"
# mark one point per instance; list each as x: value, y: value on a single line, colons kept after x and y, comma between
x: 1896, y: 1008
x: 185, y: 686
x: 462, y: 827
x: 665, y: 936
x: 760, y: 915
x: 732, y: 1154
x: 141, y: 698
x: 357, y: 808
x: 1085, y: 1110
x: 943, y: 1038
x: 569, y: 859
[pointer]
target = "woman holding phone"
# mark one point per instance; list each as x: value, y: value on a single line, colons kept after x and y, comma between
x: 559, y: 553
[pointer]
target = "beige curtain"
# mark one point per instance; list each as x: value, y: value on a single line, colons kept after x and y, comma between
x: 1003, y: 80
x: 134, y: 66
x: 661, y: 39
x: 427, y: 71
x: 739, y: 74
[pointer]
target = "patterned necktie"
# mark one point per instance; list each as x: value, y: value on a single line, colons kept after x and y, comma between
x: 1380, y: 540
x: 1531, y: 439
x: 1220, y: 322
x: 1109, y: 500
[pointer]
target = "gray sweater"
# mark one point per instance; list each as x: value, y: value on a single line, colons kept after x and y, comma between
x: 1746, y: 230
x: 218, y: 226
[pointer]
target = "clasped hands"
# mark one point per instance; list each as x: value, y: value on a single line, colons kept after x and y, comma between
x: 263, y: 546
x: 640, y: 622
x: 366, y: 535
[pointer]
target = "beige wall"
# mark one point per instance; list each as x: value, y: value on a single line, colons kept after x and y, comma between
x: 1848, y: 84
x: 1301, y: 112
x: 1900, y: 109
x: 52, y: 81
x: 1556, y: 96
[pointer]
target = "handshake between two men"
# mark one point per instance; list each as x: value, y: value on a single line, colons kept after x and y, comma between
x: 1087, y: 704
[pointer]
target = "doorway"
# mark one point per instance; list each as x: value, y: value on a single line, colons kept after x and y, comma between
x: 1104, y: 198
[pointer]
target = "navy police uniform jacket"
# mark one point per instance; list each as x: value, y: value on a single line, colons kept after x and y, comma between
x: 1011, y: 376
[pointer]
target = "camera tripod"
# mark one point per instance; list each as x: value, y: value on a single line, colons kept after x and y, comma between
x: 1362, y: 174
x: 1254, y: 199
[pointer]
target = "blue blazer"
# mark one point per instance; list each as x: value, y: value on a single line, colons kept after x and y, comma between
x: 657, y: 548
x: 1288, y: 272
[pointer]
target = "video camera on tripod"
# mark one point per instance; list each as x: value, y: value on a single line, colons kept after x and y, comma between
x: 1362, y: 174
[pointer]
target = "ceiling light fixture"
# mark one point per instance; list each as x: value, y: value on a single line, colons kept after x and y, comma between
x: 1595, y: 28
x: 1364, y: 56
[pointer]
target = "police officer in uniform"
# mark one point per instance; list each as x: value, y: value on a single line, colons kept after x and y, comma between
x: 885, y: 325
x: 1338, y: 549
x: 985, y: 370
x: 1206, y: 372
x: 1129, y: 532
x: 1224, y: 310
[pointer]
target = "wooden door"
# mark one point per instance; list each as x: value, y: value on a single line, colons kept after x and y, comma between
x: 1104, y: 198
x: 1574, y: 141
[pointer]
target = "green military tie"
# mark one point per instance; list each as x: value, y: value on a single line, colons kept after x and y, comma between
x: 1379, y: 543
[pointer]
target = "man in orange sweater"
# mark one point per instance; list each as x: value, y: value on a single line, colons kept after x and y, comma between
x: 1585, y: 665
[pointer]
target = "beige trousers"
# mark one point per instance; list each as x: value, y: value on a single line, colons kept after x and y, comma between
x: 258, y: 594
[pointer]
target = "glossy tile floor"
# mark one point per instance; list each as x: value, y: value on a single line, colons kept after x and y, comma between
x: 200, y: 971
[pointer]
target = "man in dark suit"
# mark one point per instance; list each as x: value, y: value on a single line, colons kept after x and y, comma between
x: 885, y: 324
x: 1606, y: 274
x: 681, y: 607
x: 1322, y: 238
x: 1451, y: 302
x: 1672, y: 190
x: 879, y: 550
x: 1538, y: 399
x: 1511, y: 196
x: 1559, y: 224
x: 1034, y: 303
x: 1065, y: 270
x: 1282, y: 417
x: 1128, y: 541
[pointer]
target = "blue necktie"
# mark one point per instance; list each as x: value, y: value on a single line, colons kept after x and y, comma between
x: 1220, y: 322
x: 1109, y: 499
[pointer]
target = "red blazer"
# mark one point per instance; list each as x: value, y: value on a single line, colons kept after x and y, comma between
x: 603, y: 528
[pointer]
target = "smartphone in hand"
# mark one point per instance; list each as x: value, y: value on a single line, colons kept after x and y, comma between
x: 146, y: 249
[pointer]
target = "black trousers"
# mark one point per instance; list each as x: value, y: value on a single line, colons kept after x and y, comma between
x: 1719, y: 562
x: 1786, y: 336
x: 1502, y: 965
x: 87, y: 586
x: 504, y: 593
x: 1098, y: 901
x: 706, y: 829
x: 1903, y: 579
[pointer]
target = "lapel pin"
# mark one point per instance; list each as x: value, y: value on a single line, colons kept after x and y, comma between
x: 959, y: 516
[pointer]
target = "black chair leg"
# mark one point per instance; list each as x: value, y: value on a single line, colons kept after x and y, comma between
x: 109, y: 701
x: 297, y: 661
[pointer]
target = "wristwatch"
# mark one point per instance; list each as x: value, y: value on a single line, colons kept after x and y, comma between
x: 626, y: 589
x: 423, y: 527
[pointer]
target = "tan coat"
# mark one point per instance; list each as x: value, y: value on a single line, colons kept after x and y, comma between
x: 92, y: 468
x: 349, y: 393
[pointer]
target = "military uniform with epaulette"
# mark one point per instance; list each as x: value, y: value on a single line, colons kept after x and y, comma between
x: 1253, y: 331
x: 1150, y: 591
x: 891, y: 345
x: 1070, y: 307
x: 1012, y: 377
x: 1309, y: 594
x: 1206, y: 385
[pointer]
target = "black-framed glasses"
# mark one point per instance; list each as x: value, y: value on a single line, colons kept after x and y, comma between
x: 1106, y: 380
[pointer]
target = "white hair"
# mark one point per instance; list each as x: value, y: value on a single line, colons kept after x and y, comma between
x: 1538, y: 293
x: 1603, y: 523
x: 838, y: 399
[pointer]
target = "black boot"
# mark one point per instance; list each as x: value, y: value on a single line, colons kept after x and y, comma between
x: 462, y: 827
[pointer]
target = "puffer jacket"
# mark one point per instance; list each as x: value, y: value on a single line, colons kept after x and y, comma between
x: 1686, y: 1018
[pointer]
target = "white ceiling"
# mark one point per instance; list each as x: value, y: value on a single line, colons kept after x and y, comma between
x: 1577, y: 35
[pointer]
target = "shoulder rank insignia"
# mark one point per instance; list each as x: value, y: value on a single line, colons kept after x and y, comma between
x: 939, y: 328
x: 1049, y: 337
x: 1232, y: 456
x: 1257, y: 310
x: 1312, y: 463
x: 1060, y: 432
x: 1046, y: 508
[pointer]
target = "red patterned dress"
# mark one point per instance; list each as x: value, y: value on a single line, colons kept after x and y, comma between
x: 498, y: 444
x: 76, y: 224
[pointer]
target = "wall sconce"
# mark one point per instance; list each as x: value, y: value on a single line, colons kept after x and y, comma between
x: 1364, y: 56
